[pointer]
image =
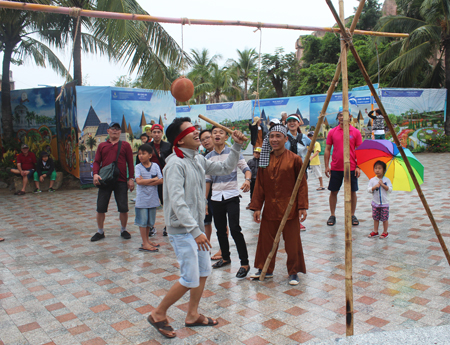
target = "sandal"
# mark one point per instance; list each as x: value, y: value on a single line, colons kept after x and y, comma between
x: 200, y: 322
x: 216, y: 257
x: 162, y: 327
x: 331, y: 221
x: 384, y: 235
x: 320, y: 188
x: 373, y: 234
x: 355, y: 221
x: 19, y: 193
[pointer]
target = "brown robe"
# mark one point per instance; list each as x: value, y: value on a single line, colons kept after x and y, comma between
x: 273, y: 189
x: 259, y: 139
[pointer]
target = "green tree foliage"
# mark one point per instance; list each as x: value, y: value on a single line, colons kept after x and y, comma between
x: 17, y: 46
x: 423, y: 58
x: 245, y: 67
x: 315, y: 79
x: 370, y: 15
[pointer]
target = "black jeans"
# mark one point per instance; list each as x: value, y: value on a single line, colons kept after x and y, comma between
x: 252, y: 187
x: 220, y: 211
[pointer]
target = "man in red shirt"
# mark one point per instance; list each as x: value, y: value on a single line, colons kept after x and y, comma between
x: 26, y: 165
x: 335, y: 138
x: 105, y: 155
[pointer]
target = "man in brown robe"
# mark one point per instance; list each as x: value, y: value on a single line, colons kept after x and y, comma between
x: 273, y: 188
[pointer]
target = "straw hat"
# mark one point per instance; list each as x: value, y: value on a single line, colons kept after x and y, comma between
x: 255, y: 120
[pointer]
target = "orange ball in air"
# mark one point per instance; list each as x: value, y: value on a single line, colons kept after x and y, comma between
x: 182, y: 89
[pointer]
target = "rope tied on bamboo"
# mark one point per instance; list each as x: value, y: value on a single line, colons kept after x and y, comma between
x: 75, y: 12
x: 185, y: 20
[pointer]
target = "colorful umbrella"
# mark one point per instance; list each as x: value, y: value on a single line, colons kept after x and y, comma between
x: 371, y: 151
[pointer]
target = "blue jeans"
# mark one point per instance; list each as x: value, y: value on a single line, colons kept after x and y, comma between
x: 194, y: 263
x: 145, y: 217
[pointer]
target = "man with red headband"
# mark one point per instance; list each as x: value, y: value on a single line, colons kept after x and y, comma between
x: 162, y: 150
x: 184, y: 211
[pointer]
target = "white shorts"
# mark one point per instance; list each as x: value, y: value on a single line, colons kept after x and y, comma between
x: 316, y: 170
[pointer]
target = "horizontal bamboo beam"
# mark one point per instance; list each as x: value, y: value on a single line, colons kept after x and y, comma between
x: 147, y: 18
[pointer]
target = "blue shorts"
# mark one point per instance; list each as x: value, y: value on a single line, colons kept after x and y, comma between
x: 336, y: 179
x: 193, y: 262
x: 145, y: 217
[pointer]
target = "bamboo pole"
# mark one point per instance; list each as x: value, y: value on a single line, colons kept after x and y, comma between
x: 397, y: 142
x: 302, y: 172
x: 214, y: 123
x: 147, y: 18
x: 347, y: 183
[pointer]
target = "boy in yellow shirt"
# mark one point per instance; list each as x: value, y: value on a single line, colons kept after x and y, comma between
x: 314, y: 161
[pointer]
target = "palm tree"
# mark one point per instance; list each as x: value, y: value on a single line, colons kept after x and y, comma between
x: 428, y: 25
x: 82, y: 148
x: 200, y: 72
x: 17, y: 45
x: 145, y: 46
x: 220, y: 83
x: 91, y: 142
x: 245, y: 66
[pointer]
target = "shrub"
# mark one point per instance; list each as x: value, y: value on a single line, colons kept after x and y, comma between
x: 439, y: 144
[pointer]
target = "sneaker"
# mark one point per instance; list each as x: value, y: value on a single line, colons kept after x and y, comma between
x: 97, y: 237
x: 258, y: 274
x: 51, y: 190
x: 37, y: 190
x: 133, y: 200
x: 125, y: 234
x: 164, y: 232
x: 302, y: 227
x: 152, y: 232
x: 294, y: 279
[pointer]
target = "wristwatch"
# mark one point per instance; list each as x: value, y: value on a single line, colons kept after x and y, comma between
x: 248, y: 179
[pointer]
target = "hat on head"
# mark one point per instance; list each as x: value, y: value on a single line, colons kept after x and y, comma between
x: 44, y: 153
x: 293, y: 117
x: 256, y: 120
x: 266, y: 148
x: 257, y: 149
x: 275, y: 121
x: 147, y: 127
x: 112, y: 124
x: 310, y: 134
x: 157, y: 126
x: 24, y: 146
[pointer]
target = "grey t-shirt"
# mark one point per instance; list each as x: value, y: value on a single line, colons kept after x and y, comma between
x: 147, y: 196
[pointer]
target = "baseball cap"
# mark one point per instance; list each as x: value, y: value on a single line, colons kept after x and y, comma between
x: 275, y: 121
x: 24, y: 146
x: 112, y: 124
x: 257, y: 149
x: 310, y: 134
x: 255, y: 120
x: 44, y: 153
x: 157, y: 126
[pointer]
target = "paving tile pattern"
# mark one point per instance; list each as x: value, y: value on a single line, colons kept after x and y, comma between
x: 56, y: 287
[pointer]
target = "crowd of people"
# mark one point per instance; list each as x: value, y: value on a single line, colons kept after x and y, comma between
x: 193, y: 175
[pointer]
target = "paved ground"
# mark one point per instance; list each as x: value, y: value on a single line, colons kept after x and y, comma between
x: 56, y: 287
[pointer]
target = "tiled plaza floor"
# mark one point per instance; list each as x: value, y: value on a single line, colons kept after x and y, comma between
x: 56, y: 287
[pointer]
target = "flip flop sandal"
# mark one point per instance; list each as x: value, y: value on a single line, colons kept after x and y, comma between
x: 373, y: 234
x: 162, y: 327
x: 320, y: 188
x: 331, y: 221
x: 148, y: 250
x: 2, y: 239
x: 355, y: 221
x: 384, y: 235
x: 216, y: 257
x: 200, y: 321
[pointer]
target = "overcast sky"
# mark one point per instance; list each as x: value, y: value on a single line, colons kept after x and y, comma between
x: 217, y: 39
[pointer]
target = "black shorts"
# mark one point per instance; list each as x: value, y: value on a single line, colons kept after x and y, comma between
x: 336, y: 179
x: 120, y: 194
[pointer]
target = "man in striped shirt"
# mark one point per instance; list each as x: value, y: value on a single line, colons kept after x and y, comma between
x: 225, y: 200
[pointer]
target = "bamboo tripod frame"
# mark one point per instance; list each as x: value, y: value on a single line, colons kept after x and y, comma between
x: 346, y: 43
